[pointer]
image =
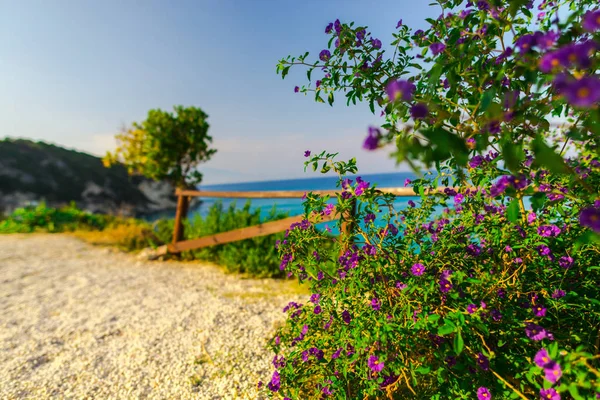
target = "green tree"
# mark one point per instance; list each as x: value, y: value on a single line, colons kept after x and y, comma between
x: 166, y: 146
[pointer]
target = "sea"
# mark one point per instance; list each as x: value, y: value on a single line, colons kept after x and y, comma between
x: 290, y: 206
x: 294, y: 206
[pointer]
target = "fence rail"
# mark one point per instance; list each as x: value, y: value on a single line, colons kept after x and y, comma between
x: 268, y: 228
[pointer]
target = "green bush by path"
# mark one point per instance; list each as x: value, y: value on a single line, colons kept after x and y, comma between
x: 41, y: 218
x: 256, y: 256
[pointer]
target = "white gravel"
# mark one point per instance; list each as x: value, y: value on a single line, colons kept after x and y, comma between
x: 83, y: 322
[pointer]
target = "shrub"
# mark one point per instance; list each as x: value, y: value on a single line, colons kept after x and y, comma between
x: 487, y: 298
x: 256, y: 256
x: 42, y: 218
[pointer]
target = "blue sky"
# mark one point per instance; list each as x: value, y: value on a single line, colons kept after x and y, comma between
x: 73, y: 72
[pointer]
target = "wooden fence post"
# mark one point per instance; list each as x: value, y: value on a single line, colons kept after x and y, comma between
x: 182, y: 206
x: 348, y: 228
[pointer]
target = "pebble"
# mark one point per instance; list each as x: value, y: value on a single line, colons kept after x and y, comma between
x: 81, y: 322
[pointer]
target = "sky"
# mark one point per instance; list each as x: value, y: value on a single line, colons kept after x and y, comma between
x: 72, y: 73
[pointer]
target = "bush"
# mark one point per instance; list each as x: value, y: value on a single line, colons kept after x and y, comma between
x: 45, y: 219
x: 256, y: 256
x: 486, y: 299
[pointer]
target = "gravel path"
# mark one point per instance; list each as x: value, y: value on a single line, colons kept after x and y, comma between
x: 78, y: 322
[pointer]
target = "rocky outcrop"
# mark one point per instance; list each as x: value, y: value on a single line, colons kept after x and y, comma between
x: 31, y: 172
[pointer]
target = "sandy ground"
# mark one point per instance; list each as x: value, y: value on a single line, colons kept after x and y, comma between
x: 78, y: 322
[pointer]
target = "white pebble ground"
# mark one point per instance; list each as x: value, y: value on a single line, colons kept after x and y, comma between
x: 82, y: 322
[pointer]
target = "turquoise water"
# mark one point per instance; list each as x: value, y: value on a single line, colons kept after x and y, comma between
x: 292, y: 206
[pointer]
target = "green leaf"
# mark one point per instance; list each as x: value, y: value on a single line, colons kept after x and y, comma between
x: 447, y: 328
x: 458, y: 344
x: 546, y: 156
x: 538, y: 200
x: 424, y: 370
x: 486, y: 99
x: 512, y: 211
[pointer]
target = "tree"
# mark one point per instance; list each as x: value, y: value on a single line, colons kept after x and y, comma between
x: 166, y: 147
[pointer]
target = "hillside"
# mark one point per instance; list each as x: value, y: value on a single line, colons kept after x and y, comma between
x: 36, y: 171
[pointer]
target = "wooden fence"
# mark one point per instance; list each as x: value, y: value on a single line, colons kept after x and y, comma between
x: 268, y: 228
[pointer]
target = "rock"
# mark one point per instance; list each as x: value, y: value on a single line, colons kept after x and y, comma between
x: 34, y: 172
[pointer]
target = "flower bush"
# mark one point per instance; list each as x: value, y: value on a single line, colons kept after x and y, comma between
x: 469, y: 293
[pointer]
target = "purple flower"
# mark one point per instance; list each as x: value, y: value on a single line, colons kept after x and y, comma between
x: 591, y: 21
x: 500, y: 186
x: 536, y: 332
x: 314, y: 298
x: 531, y: 217
x: 324, y: 55
x: 539, y: 311
x: 526, y: 42
x: 548, y: 230
x: 549, y: 394
x: 336, y: 354
x: 346, y: 317
x: 584, y: 92
x: 361, y: 187
x: 376, y: 43
x: 471, y: 308
x: 360, y: 35
x: 566, y: 262
x: 459, y: 198
x: 372, y: 140
x: 411, y: 204
x: 476, y: 161
x: 549, y: 61
x: 317, y: 310
x: 544, y: 250
x: 445, y: 285
x: 590, y: 217
x: 496, y: 315
x: 275, y: 383
x: 307, y: 153
x: 518, y: 182
x: 376, y: 304
x: 374, y: 364
x: 329, y: 27
x: 296, y: 89
x: 400, y: 89
x: 401, y: 285
x: 494, y: 127
x: 419, y: 111
x: 370, y: 217
x: 547, y: 40
x: 399, y: 24
x: 483, y: 393
x: 558, y: 293
x: 417, y: 269
x: 437, y: 48
x: 542, y: 358
x: 328, y: 209
x: 552, y: 371
x: 482, y: 361
x: 392, y: 229
x: 337, y: 26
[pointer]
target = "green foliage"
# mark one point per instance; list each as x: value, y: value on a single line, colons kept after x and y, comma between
x: 41, y: 218
x: 466, y: 321
x: 485, y: 298
x: 256, y: 256
x: 166, y: 146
